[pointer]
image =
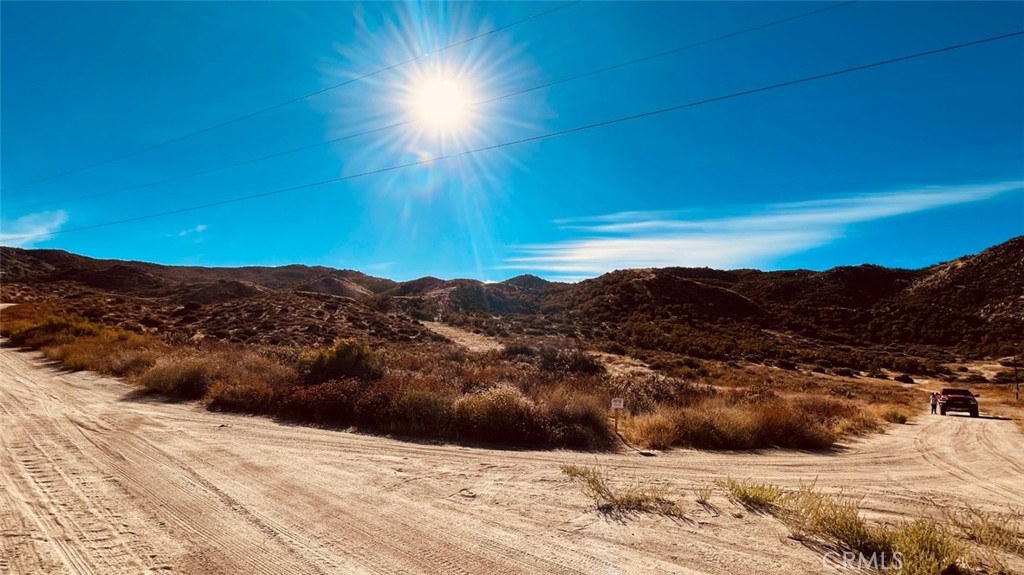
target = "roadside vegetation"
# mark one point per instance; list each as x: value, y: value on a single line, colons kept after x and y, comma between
x: 960, y: 541
x: 542, y: 393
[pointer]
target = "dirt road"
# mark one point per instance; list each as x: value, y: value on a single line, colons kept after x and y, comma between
x: 96, y: 479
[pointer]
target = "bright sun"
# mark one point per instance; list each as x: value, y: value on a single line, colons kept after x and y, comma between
x: 441, y: 104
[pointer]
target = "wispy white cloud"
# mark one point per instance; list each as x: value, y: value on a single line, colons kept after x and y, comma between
x: 660, y: 239
x: 196, y: 230
x: 32, y: 229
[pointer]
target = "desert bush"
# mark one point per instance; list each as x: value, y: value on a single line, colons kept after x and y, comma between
x: 330, y: 403
x: 518, y: 349
x: 501, y: 413
x: 110, y: 352
x: 894, y: 416
x: 655, y: 430
x: 344, y: 358
x: 904, y: 378
x: 422, y: 413
x: 249, y: 394
x: 721, y: 424
x: 569, y: 360
x: 575, y: 419
x: 187, y: 378
x: 52, y: 330
x: 644, y: 394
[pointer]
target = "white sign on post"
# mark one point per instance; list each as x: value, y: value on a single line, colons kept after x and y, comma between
x: 617, y: 404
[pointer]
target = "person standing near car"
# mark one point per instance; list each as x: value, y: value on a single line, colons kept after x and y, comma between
x: 934, y: 401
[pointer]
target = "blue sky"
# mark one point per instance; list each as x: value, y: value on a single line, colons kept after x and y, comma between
x: 903, y: 165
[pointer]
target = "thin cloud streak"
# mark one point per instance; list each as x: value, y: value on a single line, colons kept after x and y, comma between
x: 32, y: 229
x: 663, y: 239
x: 196, y: 230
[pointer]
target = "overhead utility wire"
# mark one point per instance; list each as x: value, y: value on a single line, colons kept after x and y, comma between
x: 294, y: 100
x: 594, y: 72
x: 536, y: 138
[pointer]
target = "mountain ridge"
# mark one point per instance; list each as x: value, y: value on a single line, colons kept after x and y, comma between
x: 973, y: 304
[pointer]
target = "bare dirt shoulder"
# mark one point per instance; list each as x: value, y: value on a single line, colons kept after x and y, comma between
x: 97, y: 479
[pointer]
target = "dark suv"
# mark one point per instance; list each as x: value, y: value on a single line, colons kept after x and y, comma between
x: 952, y: 399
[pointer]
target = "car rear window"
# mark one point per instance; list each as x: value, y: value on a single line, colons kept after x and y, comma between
x: 956, y: 392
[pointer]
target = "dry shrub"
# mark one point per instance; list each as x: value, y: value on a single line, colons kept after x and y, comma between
x: 656, y: 430
x: 895, y: 416
x: 248, y: 394
x: 501, y: 413
x: 21, y: 317
x: 575, y: 419
x: 110, y: 352
x: 185, y: 377
x: 344, y: 358
x: 330, y: 403
x: 423, y: 413
x: 569, y: 360
x: 752, y: 418
x: 644, y: 394
x: 52, y: 330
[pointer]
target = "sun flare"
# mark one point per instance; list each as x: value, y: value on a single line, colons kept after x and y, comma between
x: 441, y: 104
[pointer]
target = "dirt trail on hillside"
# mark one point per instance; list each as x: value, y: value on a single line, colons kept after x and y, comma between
x: 472, y: 341
x: 97, y: 479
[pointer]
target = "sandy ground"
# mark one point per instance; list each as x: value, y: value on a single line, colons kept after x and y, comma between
x: 95, y: 478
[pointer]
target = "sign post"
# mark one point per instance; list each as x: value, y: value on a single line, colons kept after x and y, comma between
x: 617, y: 404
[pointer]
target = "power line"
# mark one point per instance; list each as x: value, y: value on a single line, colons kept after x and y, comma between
x: 594, y: 72
x: 296, y: 99
x: 538, y: 137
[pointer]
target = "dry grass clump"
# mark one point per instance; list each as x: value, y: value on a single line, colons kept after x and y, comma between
x: 753, y: 495
x: 1004, y: 531
x: 633, y: 498
x: 923, y: 546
